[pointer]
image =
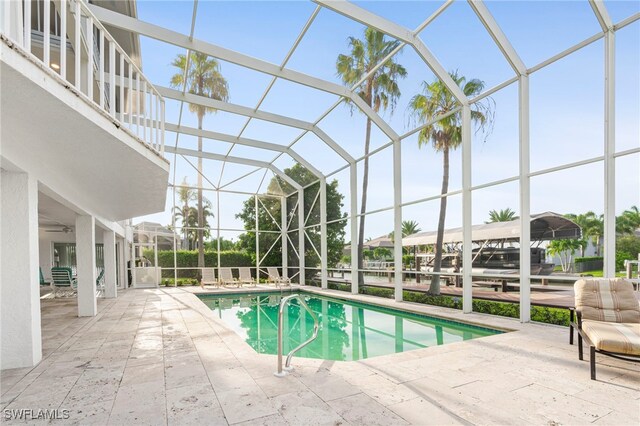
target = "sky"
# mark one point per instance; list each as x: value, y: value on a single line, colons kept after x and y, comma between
x: 567, y: 98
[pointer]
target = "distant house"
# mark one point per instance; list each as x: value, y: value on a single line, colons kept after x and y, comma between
x: 144, y: 232
x: 381, y: 242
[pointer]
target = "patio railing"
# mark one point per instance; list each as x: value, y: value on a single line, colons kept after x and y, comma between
x: 68, y: 39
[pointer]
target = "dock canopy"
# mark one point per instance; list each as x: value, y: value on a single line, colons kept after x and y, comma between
x: 544, y: 227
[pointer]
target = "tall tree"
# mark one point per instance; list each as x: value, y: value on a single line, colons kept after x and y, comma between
x: 503, y: 215
x: 186, y: 195
x: 629, y: 221
x: 592, y: 226
x: 445, y: 135
x: 188, y: 217
x: 379, y: 89
x: 200, y: 75
x: 564, y: 249
x: 410, y: 227
x: 335, y: 229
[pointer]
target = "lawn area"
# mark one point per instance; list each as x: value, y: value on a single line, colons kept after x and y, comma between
x: 598, y: 274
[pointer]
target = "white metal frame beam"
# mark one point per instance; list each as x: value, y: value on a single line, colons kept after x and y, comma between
x: 602, y: 15
x: 260, y: 115
x: 236, y: 160
x: 243, y: 141
x: 498, y: 36
x: 401, y: 33
x: 146, y: 29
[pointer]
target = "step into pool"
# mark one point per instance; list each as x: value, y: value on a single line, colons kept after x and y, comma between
x: 348, y: 330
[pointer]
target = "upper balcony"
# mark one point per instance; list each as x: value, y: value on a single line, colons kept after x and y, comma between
x: 53, y: 55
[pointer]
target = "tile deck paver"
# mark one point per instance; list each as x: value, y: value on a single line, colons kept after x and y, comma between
x: 160, y: 356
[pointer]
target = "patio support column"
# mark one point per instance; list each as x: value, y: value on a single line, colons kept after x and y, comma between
x: 21, y: 344
x: 257, y: 206
x: 323, y: 233
x: 609, y: 159
x: 283, y: 236
x: 128, y: 260
x: 467, y: 294
x: 397, y: 219
x: 353, y: 177
x: 123, y: 263
x: 525, y: 202
x: 301, y: 249
x: 109, y: 241
x: 86, y: 265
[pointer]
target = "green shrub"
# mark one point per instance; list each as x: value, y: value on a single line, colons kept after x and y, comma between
x: 189, y: 259
x: 376, y: 291
x: 181, y: 281
x: 511, y: 310
x: 627, y: 248
x: 427, y: 299
x: 588, y: 259
x: 558, y: 316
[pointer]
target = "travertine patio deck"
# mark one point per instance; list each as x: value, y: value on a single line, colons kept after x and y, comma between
x: 161, y: 357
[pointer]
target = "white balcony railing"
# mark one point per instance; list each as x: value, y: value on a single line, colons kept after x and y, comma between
x: 66, y: 37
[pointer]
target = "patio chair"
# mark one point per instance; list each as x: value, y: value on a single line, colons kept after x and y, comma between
x: 274, y: 277
x: 226, y: 277
x: 63, y: 281
x: 209, y: 277
x: 100, y: 279
x: 607, y: 318
x: 245, y: 277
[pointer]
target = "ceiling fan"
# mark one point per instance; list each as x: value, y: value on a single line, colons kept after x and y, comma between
x: 54, y: 227
x: 64, y: 229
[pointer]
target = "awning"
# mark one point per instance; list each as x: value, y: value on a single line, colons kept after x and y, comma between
x: 544, y: 227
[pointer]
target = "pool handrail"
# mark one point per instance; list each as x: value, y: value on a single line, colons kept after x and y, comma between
x: 316, y: 326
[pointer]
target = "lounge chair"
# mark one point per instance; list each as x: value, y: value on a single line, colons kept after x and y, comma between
x: 100, y: 279
x: 245, y: 277
x: 607, y: 318
x: 226, y: 277
x: 274, y: 277
x: 209, y: 277
x: 63, y: 281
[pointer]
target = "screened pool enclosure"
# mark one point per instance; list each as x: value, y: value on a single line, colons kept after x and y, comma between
x: 333, y: 125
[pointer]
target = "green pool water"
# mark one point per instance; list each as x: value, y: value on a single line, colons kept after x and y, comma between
x: 348, y: 330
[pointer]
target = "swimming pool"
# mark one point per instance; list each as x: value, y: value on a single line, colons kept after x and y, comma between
x: 348, y: 330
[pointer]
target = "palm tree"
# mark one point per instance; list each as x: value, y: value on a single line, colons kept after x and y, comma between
x: 503, y: 215
x: 592, y: 226
x: 410, y: 227
x: 564, y: 249
x: 200, y: 75
x: 629, y: 221
x: 379, y: 90
x: 188, y: 216
x: 446, y: 135
x: 181, y: 212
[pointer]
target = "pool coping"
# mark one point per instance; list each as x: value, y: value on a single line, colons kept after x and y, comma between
x: 370, y: 303
x: 515, y: 328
